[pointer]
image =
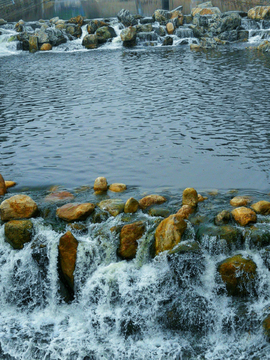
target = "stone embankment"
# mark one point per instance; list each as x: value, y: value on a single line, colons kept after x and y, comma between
x: 237, y: 272
x: 206, y: 24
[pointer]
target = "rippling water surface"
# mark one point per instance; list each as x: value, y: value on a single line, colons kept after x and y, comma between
x: 146, y: 117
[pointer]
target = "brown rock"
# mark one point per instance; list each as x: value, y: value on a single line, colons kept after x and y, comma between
x: 195, y: 47
x: 113, y: 206
x: 170, y: 28
x: 77, y: 20
x: 262, y: 207
x: 244, y: 216
x: 223, y: 217
x: 18, y: 232
x: 169, y: 232
x: 266, y: 327
x: 117, y: 187
x: 201, y: 198
x: 3, y: 188
x: 185, y: 211
x: 259, y: 13
x: 131, y: 206
x: 238, y: 274
x: 59, y: 196
x: 46, y: 47
x: 151, y: 200
x: 75, y: 211
x: 33, y: 43
x: 18, y: 207
x: 240, y: 201
x: 190, y: 197
x: 206, y: 11
x: 100, y: 184
x: 10, y: 184
x: 67, y: 257
x: 128, y: 239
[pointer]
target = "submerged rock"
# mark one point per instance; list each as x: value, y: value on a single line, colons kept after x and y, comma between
x: 67, y: 248
x: 264, y: 46
x: 266, y: 327
x: 117, y: 187
x: 59, y: 196
x: 75, y: 211
x: 240, y: 201
x: 131, y: 206
x: 259, y: 13
x: 261, y: 207
x: 18, y: 207
x: 157, y: 211
x: 169, y: 232
x: 190, y: 197
x: 3, y: 187
x: 238, y: 274
x: 113, y: 206
x: 223, y: 217
x: 101, y: 184
x: 18, y: 232
x: 128, y: 239
x: 151, y: 200
x: 168, y: 41
x: 244, y: 216
x: 257, y: 237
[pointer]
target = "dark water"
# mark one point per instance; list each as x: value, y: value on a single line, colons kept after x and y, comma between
x: 146, y: 117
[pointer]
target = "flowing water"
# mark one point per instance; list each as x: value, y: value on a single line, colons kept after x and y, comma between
x: 158, y: 119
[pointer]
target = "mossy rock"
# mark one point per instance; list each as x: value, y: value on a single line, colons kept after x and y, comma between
x: 229, y: 233
x: 156, y: 211
x: 18, y: 232
x: 257, y: 238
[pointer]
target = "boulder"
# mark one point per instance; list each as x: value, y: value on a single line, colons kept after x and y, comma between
x: 59, y: 196
x: 186, y: 247
x: 128, y: 239
x: 8, y: 184
x: 157, y: 211
x: 160, y: 31
x: 208, y: 43
x: 144, y: 28
x: 161, y: 16
x: 77, y: 20
x: 75, y: 211
x: 264, y: 46
x: 190, y: 197
x: 266, y: 327
x: 168, y: 41
x: 74, y: 30
x: 169, y: 232
x: 230, y: 22
x: 90, y: 41
x: 93, y: 25
x: 67, y: 248
x: 54, y: 20
x: 261, y: 207
x: 257, y: 237
x: 43, y: 37
x: 100, y: 184
x: 186, y: 211
x: 147, y: 36
x: 206, y: 11
x: 240, y: 201
x: 19, y: 27
x: 113, y: 206
x: 259, y: 13
x: 125, y: 17
x: 151, y: 200
x: 117, y: 187
x: 2, y: 22
x: 46, y: 47
x: 18, y: 207
x: 238, y: 274
x: 201, y: 198
x: 244, y: 216
x: 195, y: 47
x: 147, y: 20
x: 3, y: 187
x: 24, y: 41
x: 128, y: 36
x: 223, y: 217
x: 18, y: 232
x: 224, y: 235
x: 56, y: 36
x: 33, y: 43
x: 170, y: 28
x: 131, y: 206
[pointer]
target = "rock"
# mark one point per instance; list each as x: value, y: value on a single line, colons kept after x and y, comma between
x: 204, y: 5
x: 190, y: 197
x: 18, y: 207
x: 185, y: 211
x: 93, y: 25
x: 8, y: 184
x: 147, y: 36
x: 54, y: 20
x: 244, y: 216
x: 33, y: 43
x: 90, y: 41
x: 201, y: 198
x: 74, y: 30
x: 230, y: 22
x: 46, y: 47
x: 206, y: 11
x: 117, y: 187
x: 128, y: 36
x: 151, y: 200
x: 125, y: 17
x: 257, y: 238
x: 230, y: 234
x: 160, y: 31
x: 131, y: 206
x: 266, y: 327
x: 75, y: 211
x: 240, y: 201
x: 56, y: 36
x: 128, y: 239
x: 161, y: 16
x: 243, y: 35
x: 3, y: 187
x: 259, y: 13
x: 67, y: 248
x: 223, y: 217
x: 113, y: 206
x: 146, y: 20
x: 195, y: 47
x: 264, y: 46
x: 77, y: 20
x: 2, y: 22
x: 168, y: 41
x: 170, y: 28
x: 186, y: 247
x: 43, y: 37
x: 261, y: 207
x: 157, y: 211
x: 144, y: 28
x: 208, y: 43
x: 19, y: 27
x: 238, y: 274
x: 169, y: 232
x: 24, y: 41
x: 59, y: 196
x: 18, y: 232
x: 101, y: 184
x: 226, y: 36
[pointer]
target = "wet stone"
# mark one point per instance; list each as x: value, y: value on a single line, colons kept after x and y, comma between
x: 261, y: 207
x: 113, y: 206
x: 18, y: 232
x: 131, y: 206
x: 18, y: 207
x: 128, y: 239
x: 150, y: 200
x: 244, y: 216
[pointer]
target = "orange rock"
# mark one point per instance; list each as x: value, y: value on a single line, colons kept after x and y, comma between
x: 238, y: 274
x: 75, y: 211
x: 201, y: 198
x: 100, y: 184
x: 262, y: 207
x: 128, y: 239
x: 169, y: 232
x: 151, y: 200
x: 185, y: 211
x: 131, y: 206
x: 9, y: 184
x: 18, y: 232
x: 117, y: 187
x: 190, y: 197
x: 244, y: 216
x: 18, y: 207
x: 46, y: 47
x: 3, y: 188
x: 266, y: 327
x: 259, y: 13
x: 59, y: 196
x: 68, y: 245
x: 170, y: 28
x: 240, y: 201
